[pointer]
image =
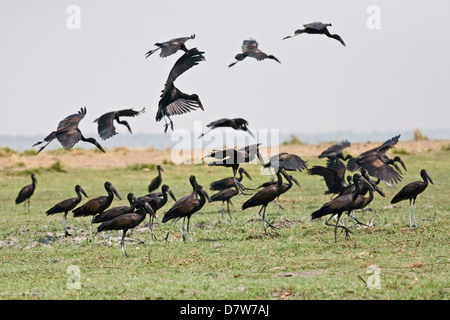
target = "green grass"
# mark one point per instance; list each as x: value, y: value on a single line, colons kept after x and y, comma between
x: 228, y: 258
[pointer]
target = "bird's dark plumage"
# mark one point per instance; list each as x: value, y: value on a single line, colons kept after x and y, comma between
x: 156, y: 182
x: 67, y: 205
x: 170, y: 47
x: 68, y: 133
x: 411, y: 191
x: 106, y: 128
x: 26, y: 192
x: 173, y: 101
x: 250, y: 49
x: 317, y: 28
x: 234, y: 123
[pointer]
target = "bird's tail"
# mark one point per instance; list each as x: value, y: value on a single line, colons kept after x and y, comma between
x: 104, y: 226
x: 321, y: 212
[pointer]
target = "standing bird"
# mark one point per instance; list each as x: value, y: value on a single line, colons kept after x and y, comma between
x: 250, y: 49
x: 235, y: 123
x: 68, y: 133
x: 170, y: 47
x: 377, y: 164
x: 284, y: 187
x: 127, y: 221
x: 341, y: 204
x: 185, y: 208
x: 157, y: 200
x: 228, y: 182
x: 264, y: 197
x: 105, y: 122
x: 97, y: 205
x: 173, y: 101
x: 66, y: 206
x: 232, y: 158
x: 317, y: 28
x: 411, y: 191
x: 225, y: 195
x: 26, y: 192
x: 156, y: 182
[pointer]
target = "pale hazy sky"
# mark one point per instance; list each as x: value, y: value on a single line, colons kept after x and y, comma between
x: 393, y: 78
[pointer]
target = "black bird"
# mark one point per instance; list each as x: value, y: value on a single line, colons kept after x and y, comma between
x: 377, y: 164
x: 235, y: 123
x: 250, y: 49
x: 336, y: 151
x: 68, y: 133
x: 170, y: 47
x: 157, y: 200
x: 411, y: 191
x: 106, y: 128
x: 156, y: 182
x: 264, y: 197
x: 127, y: 221
x: 66, y: 206
x: 114, y: 212
x: 232, y: 158
x: 333, y: 174
x: 285, y: 187
x: 286, y: 161
x: 185, y: 208
x: 340, y: 205
x: 225, y: 195
x: 229, y: 182
x: 97, y: 205
x: 317, y: 28
x: 173, y: 101
x: 26, y: 192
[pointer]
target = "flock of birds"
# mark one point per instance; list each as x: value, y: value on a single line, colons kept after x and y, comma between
x: 349, y: 191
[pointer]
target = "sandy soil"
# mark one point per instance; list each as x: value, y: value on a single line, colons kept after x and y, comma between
x: 122, y: 157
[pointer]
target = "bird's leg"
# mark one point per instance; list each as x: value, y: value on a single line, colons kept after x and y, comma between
x: 189, y: 219
x: 409, y: 213
x: 181, y: 230
x: 151, y: 228
x: 66, y: 233
x: 90, y: 229
x: 109, y: 238
x: 222, y: 209
x: 241, y: 187
x: 166, y: 126
x: 118, y: 239
x: 124, y: 250
x: 169, y: 230
x: 414, y: 216
x: 264, y: 218
x: 228, y: 208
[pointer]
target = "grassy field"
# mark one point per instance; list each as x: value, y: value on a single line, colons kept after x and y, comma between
x: 228, y: 258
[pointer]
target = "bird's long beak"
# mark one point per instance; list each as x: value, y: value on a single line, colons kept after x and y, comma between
x: 206, y: 195
x: 172, y: 195
x: 115, y: 192
x: 379, y: 191
x: 295, y: 181
x: 429, y: 177
x: 83, y: 192
x: 246, y: 173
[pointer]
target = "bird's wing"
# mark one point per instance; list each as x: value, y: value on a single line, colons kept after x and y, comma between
x: 249, y: 45
x: 224, y: 122
x: 316, y: 25
x: 335, y: 149
x: 291, y: 162
x: 258, y: 54
x: 69, y: 138
x: 240, y: 122
x: 328, y: 174
x: 382, y: 171
x: 181, y: 106
x: 129, y: 112
x: 388, y: 144
x: 72, y: 121
x: 338, y: 166
x: 106, y: 128
x: 184, y: 63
